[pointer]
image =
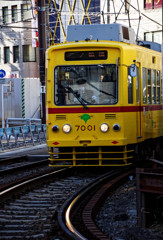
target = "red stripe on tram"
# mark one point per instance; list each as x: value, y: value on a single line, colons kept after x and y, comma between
x: 104, y: 109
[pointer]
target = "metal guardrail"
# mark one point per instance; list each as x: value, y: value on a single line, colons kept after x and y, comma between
x: 11, y: 137
x: 11, y: 122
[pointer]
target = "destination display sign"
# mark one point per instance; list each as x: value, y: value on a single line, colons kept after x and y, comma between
x: 85, y: 55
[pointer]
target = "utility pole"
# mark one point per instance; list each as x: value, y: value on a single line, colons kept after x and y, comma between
x: 42, y: 48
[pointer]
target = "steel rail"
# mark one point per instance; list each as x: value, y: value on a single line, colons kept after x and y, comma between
x: 22, y: 167
x: 6, y: 194
x: 65, y: 213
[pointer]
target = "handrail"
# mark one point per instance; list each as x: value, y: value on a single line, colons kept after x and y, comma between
x: 21, y: 121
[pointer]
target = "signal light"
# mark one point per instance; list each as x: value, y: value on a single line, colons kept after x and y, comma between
x: 55, y: 128
x: 116, y: 127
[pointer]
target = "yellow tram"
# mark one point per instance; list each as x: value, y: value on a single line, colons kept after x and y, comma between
x: 104, y: 98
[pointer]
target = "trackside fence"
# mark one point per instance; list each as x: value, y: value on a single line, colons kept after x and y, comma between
x: 11, y: 137
x: 12, y: 122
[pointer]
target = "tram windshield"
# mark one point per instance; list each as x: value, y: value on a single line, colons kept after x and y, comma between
x: 86, y: 85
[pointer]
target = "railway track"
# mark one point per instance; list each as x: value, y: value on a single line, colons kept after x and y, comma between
x: 56, y: 205
x: 77, y: 216
x: 20, y: 163
x: 18, y: 169
x: 29, y: 210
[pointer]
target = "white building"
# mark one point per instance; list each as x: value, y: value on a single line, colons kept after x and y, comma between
x: 145, y: 17
x: 18, y: 57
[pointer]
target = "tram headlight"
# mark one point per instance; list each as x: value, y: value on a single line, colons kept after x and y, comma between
x: 104, y: 127
x: 66, y: 128
x: 116, y: 127
x: 55, y: 128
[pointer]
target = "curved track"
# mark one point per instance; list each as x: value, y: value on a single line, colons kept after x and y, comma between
x: 29, y: 210
x: 77, y: 216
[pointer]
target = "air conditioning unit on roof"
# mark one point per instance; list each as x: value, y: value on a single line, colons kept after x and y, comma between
x: 110, y: 32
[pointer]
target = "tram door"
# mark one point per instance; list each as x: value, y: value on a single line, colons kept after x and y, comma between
x: 138, y: 102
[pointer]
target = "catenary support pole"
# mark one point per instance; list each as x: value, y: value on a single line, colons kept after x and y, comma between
x: 42, y: 48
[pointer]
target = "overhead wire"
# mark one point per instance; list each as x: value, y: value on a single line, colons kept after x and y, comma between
x: 97, y: 7
x: 138, y: 10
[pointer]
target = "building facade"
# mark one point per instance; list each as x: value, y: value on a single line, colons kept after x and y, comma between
x: 144, y: 16
x: 19, y: 60
x: 18, y: 52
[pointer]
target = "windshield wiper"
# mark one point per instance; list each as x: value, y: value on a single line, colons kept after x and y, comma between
x: 77, y: 95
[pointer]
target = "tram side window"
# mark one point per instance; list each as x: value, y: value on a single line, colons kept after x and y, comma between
x: 149, y: 86
x: 130, y: 88
x: 158, y: 87
x: 154, y: 86
x: 144, y: 85
x: 161, y: 90
x: 137, y: 86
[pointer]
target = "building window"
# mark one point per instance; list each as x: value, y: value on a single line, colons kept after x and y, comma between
x: 29, y: 53
x: 25, y: 12
x: 6, y: 54
x: 14, y: 14
x: 153, y: 36
x: 148, y: 36
x: 15, y: 54
x: 5, y: 14
x: 148, y: 4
